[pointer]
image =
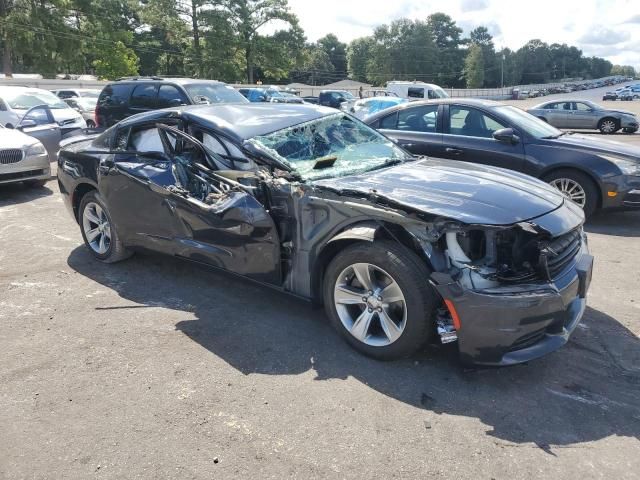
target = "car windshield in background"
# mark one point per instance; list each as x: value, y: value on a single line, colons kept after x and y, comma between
x: 213, y: 93
x: 88, y: 103
x: 89, y: 94
x: 439, y: 93
x: 333, y: 146
x: 25, y: 100
x: 533, y: 126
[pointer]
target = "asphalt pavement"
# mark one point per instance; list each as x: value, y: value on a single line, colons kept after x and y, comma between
x: 153, y: 368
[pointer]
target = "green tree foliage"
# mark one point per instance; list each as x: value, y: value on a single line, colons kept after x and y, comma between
x: 337, y: 52
x: 238, y: 40
x: 116, y: 61
x: 474, y: 67
x: 359, y: 52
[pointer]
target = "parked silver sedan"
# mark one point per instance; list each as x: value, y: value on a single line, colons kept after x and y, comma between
x: 22, y: 159
x: 583, y: 114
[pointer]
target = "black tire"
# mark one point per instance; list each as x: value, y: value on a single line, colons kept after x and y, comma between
x: 116, y: 251
x: 410, y: 273
x: 588, y: 186
x: 629, y: 130
x: 8, y: 125
x: 604, y: 123
x: 91, y: 124
x: 36, y: 183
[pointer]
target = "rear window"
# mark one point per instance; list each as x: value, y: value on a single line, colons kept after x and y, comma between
x: 116, y: 94
x: 213, y: 93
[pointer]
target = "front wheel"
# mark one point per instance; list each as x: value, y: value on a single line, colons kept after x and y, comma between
x: 98, y: 231
x: 608, y: 126
x: 377, y: 295
x: 576, y: 186
x: 91, y: 124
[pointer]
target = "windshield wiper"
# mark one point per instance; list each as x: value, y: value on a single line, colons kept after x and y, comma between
x: 387, y: 163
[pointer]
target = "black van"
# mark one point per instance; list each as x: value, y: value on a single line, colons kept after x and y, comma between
x: 126, y: 97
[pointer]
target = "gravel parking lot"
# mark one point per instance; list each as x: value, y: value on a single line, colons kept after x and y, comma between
x: 153, y: 368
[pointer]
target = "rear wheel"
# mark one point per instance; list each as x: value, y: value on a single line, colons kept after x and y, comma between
x: 91, y: 124
x: 608, y: 125
x: 98, y: 231
x: 378, y: 297
x: 576, y: 186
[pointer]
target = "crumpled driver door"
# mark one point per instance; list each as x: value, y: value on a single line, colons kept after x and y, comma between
x: 230, y: 230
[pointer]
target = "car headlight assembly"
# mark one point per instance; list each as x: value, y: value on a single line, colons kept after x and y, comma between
x: 36, y: 149
x: 627, y: 167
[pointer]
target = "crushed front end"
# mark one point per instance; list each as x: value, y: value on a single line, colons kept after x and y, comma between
x: 513, y: 293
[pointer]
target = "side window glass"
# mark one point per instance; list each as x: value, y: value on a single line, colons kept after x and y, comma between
x: 145, y: 140
x: 421, y: 119
x: 470, y: 122
x: 114, y: 95
x: 143, y: 96
x: 414, y: 92
x: 551, y: 106
x: 213, y: 144
x: 170, y: 96
x: 582, y: 107
x: 389, y: 122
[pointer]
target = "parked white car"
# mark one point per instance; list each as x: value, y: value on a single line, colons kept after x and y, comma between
x: 16, y: 101
x: 77, y: 92
x: 416, y: 90
x: 22, y: 159
x: 85, y: 106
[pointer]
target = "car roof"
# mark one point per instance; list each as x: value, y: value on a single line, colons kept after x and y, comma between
x: 241, y: 121
x: 177, y: 81
x: 470, y: 102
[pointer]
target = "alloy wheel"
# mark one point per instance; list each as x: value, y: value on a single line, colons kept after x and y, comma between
x: 370, y: 304
x: 571, y: 189
x: 608, y: 126
x: 97, y: 229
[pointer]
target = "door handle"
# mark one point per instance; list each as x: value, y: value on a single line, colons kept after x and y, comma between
x: 453, y: 151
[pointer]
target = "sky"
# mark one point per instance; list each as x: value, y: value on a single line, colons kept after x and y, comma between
x: 606, y: 28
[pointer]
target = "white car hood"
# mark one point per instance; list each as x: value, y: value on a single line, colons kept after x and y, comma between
x: 14, y: 139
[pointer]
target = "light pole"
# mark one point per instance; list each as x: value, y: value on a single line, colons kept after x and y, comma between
x: 502, y: 72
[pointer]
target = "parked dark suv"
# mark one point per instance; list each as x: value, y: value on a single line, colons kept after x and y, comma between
x: 129, y: 96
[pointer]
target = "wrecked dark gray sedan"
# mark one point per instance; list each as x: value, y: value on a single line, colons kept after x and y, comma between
x: 400, y: 250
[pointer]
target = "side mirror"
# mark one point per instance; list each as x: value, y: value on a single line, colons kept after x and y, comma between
x: 506, y: 135
x: 27, y: 123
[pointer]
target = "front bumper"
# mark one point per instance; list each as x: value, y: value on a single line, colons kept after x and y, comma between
x: 35, y: 167
x: 514, y: 324
x: 626, y: 189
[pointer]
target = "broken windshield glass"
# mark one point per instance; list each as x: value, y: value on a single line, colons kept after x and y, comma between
x: 331, y: 146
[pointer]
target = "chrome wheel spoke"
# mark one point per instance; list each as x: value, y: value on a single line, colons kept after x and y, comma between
x: 346, y: 295
x: 391, y: 330
x: 102, y: 247
x: 91, y: 216
x: 363, y: 274
x: 92, y: 234
x: 392, y: 293
x: 360, y: 327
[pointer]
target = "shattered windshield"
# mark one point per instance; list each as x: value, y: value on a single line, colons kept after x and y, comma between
x: 333, y: 146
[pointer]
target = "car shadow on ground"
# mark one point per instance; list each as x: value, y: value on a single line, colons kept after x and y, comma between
x: 586, y: 391
x: 616, y: 223
x: 15, y: 193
